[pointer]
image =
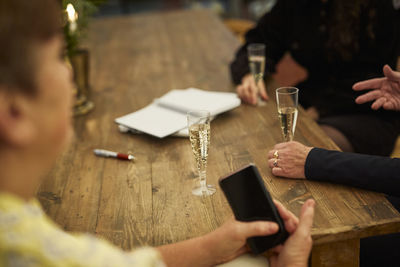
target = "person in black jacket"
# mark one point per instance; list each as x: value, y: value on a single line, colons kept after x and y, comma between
x: 377, y: 173
x: 339, y: 43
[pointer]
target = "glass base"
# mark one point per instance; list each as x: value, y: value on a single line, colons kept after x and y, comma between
x: 207, y: 190
x: 83, y: 108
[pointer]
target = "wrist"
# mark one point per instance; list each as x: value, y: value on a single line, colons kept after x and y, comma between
x: 191, y: 252
x: 207, y: 246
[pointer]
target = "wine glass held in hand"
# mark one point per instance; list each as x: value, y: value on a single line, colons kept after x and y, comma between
x: 256, y: 56
x: 199, y: 135
x: 287, y: 101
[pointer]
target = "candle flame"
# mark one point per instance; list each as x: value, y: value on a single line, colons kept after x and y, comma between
x: 72, y: 15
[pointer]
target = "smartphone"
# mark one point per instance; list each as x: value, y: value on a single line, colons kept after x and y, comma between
x: 250, y: 201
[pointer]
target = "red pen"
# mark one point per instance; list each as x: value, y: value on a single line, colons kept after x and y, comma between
x: 112, y: 154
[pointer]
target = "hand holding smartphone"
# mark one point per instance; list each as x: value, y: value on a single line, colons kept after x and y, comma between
x: 250, y: 201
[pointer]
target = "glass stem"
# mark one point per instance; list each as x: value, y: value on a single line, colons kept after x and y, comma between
x: 202, y: 177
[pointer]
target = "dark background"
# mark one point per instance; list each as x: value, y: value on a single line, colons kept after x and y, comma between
x: 248, y: 9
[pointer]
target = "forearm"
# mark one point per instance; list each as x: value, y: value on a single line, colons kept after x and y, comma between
x: 381, y: 174
x: 193, y: 252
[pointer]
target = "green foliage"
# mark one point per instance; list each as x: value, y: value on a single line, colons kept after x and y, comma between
x: 84, y: 8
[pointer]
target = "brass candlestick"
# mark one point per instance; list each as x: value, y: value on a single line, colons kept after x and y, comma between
x: 80, y: 67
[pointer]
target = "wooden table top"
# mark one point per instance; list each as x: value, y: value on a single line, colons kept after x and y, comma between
x: 135, y: 59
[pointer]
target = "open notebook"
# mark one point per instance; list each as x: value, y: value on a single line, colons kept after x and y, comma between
x: 167, y: 114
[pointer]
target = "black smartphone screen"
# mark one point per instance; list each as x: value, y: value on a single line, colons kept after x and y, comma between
x: 250, y: 201
x: 249, y: 198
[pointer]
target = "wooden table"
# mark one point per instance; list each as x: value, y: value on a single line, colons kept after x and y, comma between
x: 137, y: 58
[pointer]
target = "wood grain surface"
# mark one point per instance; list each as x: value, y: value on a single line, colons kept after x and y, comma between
x: 135, y: 59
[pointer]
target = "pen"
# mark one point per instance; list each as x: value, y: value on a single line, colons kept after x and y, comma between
x: 111, y: 154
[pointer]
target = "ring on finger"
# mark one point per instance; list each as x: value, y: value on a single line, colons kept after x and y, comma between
x: 275, y: 163
x: 276, y: 154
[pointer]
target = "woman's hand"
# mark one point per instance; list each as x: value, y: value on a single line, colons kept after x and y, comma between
x: 385, y: 93
x: 248, y: 91
x: 229, y: 241
x: 288, y: 159
x: 223, y: 244
x: 296, y: 250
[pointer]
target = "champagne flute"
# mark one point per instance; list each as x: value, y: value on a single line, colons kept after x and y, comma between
x: 287, y: 101
x: 256, y: 56
x: 199, y: 135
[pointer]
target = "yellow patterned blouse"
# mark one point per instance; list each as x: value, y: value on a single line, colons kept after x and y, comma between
x: 29, y: 238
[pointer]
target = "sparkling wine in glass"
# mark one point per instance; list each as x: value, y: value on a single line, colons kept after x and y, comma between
x: 256, y: 56
x: 199, y: 135
x: 287, y: 101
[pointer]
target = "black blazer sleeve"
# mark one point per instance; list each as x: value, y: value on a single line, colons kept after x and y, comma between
x: 381, y: 174
x: 270, y: 30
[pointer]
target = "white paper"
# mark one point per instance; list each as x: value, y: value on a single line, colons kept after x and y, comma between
x: 154, y: 120
x: 196, y: 99
x: 167, y: 114
x: 182, y: 133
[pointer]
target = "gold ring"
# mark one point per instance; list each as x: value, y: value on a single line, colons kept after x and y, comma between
x: 276, y: 155
x: 275, y: 163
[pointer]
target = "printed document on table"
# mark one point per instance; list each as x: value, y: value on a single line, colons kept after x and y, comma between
x: 196, y: 99
x: 154, y: 120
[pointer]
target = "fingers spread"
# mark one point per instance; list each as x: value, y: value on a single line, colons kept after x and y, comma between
x: 390, y: 74
x: 368, y: 84
x: 389, y: 105
x: 378, y: 103
x: 368, y: 96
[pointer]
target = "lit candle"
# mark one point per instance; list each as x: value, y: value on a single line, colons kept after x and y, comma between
x: 72, y: 17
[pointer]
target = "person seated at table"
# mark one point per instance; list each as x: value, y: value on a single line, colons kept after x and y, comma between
x: 377, y: 173
x: 35, y: 125
x: 338, y: 42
